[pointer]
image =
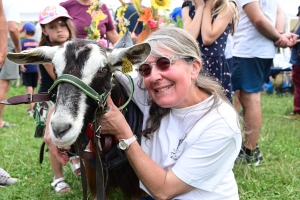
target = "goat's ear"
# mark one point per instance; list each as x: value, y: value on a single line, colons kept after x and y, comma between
x: 38, y: 55
x: 126, y: 59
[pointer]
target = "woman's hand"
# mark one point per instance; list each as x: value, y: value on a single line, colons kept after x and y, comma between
x: 114, y: 122
x: 199, y: 3
x: 209, y: 4
x: 59, y: 154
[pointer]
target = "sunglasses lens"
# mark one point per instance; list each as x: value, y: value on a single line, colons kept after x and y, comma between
x: 145, y: 70
x: 163, y: 63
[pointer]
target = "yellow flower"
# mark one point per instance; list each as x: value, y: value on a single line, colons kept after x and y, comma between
x: 121, y: 11
x: 98, y: 15
x: 137, y: 5
x: 161, y: 4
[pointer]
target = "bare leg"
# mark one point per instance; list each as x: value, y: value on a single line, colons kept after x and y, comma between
x: 30, y: 90
x: 236, y: 101
x: 252, y: 117
x: 4, y: 86
x: 57, y: 170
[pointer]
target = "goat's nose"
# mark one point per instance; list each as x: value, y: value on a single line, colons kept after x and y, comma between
x: 60, y: 129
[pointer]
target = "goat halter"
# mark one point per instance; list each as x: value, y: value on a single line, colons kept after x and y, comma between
x: 100, y: 99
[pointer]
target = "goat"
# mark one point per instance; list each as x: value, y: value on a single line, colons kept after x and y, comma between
x: 93, y: 65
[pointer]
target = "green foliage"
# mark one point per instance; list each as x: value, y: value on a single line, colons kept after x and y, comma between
x: 276, y: 178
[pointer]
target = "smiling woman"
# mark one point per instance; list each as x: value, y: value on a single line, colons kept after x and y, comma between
x: 191, y: 133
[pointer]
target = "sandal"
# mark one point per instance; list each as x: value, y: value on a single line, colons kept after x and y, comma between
x: 75, y: 166
x: 60, y: 184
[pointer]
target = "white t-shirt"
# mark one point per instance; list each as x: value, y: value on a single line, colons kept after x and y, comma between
x: 201, y: 152
x: 248, y: 42
x: 229, y: 47
x: 11, y: 11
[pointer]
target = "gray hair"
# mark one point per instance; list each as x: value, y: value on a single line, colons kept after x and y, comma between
x: 176, y: 40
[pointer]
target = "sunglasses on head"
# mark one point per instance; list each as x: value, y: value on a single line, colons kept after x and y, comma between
x: 162, y: 63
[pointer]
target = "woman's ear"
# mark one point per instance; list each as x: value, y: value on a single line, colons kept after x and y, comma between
x: 196, y: 67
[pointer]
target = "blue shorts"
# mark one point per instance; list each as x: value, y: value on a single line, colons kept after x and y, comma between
x: 249, y: 74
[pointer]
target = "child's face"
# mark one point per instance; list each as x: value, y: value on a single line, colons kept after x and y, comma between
x: 57, y: 31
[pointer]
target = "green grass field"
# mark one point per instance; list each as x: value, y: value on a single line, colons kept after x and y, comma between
x: 276, y: 178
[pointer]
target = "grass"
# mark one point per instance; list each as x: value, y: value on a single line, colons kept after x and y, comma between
x: 276, y: 178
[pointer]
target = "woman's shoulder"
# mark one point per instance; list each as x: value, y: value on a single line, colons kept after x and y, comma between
x: 104, y: 7
x: 69, y: 3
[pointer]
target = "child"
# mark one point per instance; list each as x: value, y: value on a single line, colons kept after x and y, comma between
x: 210, y: 22
x: 29, y: 72
x: 57, y: 28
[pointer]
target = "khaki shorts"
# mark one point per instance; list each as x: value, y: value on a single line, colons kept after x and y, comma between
x: 10, y: 70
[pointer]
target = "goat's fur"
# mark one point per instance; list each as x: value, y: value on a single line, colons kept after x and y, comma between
x: 93, y: 64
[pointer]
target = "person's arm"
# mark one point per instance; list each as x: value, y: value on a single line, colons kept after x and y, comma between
x: 14, y: 34
x: 280, y: 20
x: 160, y: 183
x: 112, y: 36
x: 211, y: 31
x: 50, y: 70
x: 260, y: 22
x: 3, y: 35
x: 193, y: 25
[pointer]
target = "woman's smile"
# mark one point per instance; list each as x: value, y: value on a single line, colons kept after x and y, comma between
x: 162, y: 89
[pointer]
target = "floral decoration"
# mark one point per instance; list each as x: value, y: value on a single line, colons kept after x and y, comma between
x: 121, y: 21
x: 97, y: 15
x: 151, y: 16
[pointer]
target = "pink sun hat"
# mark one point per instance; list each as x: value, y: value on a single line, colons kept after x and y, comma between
x: 51, y: 13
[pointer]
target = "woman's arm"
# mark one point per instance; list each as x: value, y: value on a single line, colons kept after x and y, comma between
x: 211, y: 31
x: 50, y: 70
x: 193, y: 25
x: 160, y: 183
x: 112, y: 36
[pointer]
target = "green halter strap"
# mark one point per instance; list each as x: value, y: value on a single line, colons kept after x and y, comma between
x: 90, y: 91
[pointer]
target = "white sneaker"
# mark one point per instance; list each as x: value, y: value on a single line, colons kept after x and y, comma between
x: 5, y: 178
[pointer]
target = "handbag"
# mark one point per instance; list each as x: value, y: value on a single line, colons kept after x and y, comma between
x: 40, y: 112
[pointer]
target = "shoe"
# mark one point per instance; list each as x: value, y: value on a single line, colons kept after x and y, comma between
x: 5, y: 178
x: 254, y: 159
x: 293, y: 116
x: 60, y: 186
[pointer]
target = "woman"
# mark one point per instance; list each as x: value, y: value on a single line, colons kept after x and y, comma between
x: 191, y: 134
x: 81, y: 19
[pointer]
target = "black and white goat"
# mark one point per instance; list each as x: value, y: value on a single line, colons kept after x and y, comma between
x: 93, y: 65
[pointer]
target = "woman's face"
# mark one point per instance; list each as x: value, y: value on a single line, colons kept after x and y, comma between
x: 57, y: 31
x: 175, y: 87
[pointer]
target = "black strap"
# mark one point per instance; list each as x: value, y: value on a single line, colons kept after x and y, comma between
x: 42, y: 148
x: 83, y: 180
x: 100, y: 183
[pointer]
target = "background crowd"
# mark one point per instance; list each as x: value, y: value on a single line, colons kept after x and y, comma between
x: 238, y: 41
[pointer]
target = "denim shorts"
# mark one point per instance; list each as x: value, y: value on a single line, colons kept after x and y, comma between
x: 249, y: 74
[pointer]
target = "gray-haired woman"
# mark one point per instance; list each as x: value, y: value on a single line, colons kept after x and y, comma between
x: 191, y: 134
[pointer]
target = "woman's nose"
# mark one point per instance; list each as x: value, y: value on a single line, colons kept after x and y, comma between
x: 155, y: 74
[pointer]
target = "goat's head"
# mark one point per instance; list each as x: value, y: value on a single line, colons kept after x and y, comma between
x: 91, y: 63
